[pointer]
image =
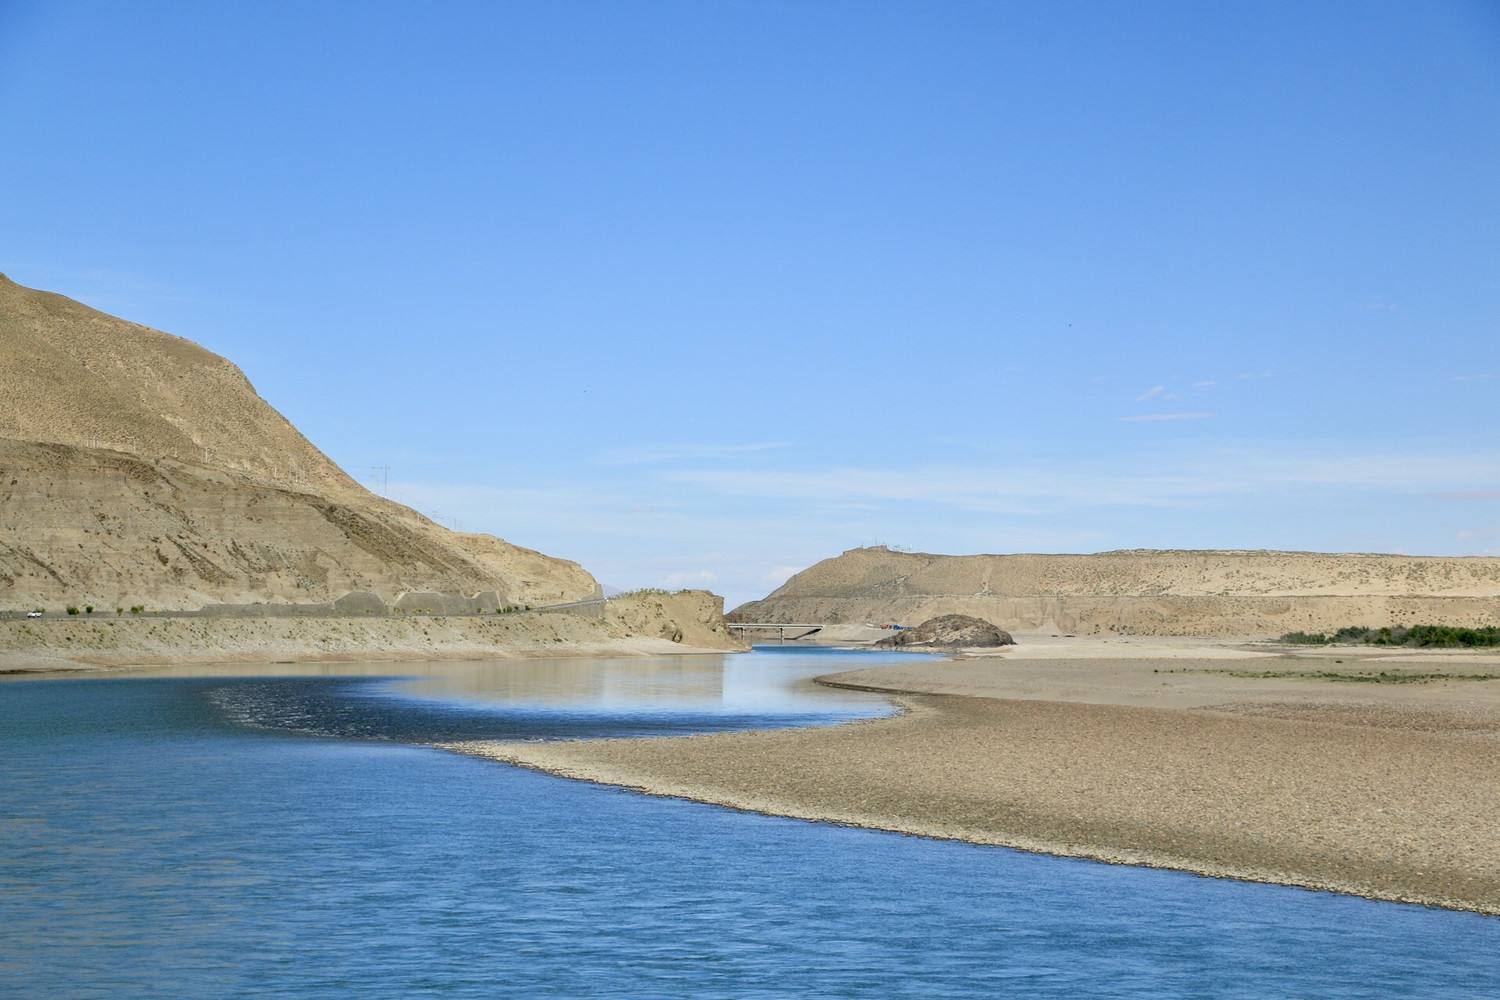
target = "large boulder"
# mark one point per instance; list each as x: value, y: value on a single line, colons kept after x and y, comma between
x: 950, y: 630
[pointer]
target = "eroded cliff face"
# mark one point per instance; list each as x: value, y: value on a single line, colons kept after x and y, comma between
x: 1142, y: 592
x: 688, y: 617
x: 138, y: 468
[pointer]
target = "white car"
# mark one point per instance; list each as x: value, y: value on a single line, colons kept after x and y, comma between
x: 33, y: 614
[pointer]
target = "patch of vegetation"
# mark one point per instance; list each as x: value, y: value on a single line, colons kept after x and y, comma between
x: 72, y: 609
x: 136, y: 609
x: 1428, y: 636
x: 1305, y: 638
x: 648, y: 592
x: 1446, y: 635
x: 88, y: 609
x: 1361, y: 676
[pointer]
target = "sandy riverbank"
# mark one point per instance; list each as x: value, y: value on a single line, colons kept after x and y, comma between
x: 646, y: 624
x: 1255, y: 766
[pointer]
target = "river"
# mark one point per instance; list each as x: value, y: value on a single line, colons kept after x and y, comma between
x: 204, y: 832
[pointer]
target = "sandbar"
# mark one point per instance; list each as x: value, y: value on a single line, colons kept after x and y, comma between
x: 1257, y: 767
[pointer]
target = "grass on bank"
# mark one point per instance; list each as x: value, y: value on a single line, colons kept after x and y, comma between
x: 1430, y: 636
x: 1362, y: 676
x: 1340, y: 676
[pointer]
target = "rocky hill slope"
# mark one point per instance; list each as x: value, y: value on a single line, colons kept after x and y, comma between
x: 138, y: 468
x: 1145, y: 592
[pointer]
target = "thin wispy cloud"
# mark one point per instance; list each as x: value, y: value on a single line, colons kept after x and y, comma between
x: 996, y: 491
x: 845, y: 493
x: 651, y: 454
x: 753, y: 525
x: 777, y: 575
x: 1476, y: 377
x: 1207, y: 383
x: 1152, y: 418
x: 1151, y: 393
x: 690, y: 578
x: 1462, y: 496
x: 1231, y: 472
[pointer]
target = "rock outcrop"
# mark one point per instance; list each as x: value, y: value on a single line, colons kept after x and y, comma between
x: 1143, y: 592
x: 952, y: 632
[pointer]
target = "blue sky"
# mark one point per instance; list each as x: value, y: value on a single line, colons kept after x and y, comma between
x: 699, y: 293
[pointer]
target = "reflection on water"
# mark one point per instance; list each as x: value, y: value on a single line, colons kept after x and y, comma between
x: 529, y: 699
x: 775, y: 680
x: 538, y: 699
x: 613, y: 683
x: 201, y: 836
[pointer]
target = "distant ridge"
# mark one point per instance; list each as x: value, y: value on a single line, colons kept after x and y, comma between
x: 1226, y: 592
x: 136, y: 467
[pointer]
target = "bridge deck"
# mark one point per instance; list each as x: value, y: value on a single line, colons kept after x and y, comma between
x: 776, y: 624
x: 780, y: 627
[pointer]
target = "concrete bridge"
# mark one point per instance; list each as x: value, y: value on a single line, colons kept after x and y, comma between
x: 780, y: 627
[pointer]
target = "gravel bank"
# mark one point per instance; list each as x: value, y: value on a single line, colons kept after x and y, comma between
x: 1384, y: 791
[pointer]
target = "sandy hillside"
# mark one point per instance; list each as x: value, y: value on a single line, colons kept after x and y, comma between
x: 138, y: 468
x: 1143, y: 592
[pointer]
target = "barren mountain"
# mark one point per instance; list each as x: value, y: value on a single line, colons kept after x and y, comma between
x: 1148, y: 592
x: 138, y: 468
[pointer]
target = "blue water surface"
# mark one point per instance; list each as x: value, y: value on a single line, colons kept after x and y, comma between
x: 271, y: 835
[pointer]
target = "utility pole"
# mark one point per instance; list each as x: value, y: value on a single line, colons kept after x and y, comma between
x: 384, y: 472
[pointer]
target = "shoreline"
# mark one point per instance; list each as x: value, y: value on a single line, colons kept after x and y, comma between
x: 1159, y: 862
x: 687, y: 622
x: 1385, y: 792
x: 42, y: 667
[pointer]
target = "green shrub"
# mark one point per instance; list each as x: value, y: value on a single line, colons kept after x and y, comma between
x: 1440, y: 636
x: 88, y: 609
x: 72, y: 609
x: 1448, y: 635
x: 136, y: 609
